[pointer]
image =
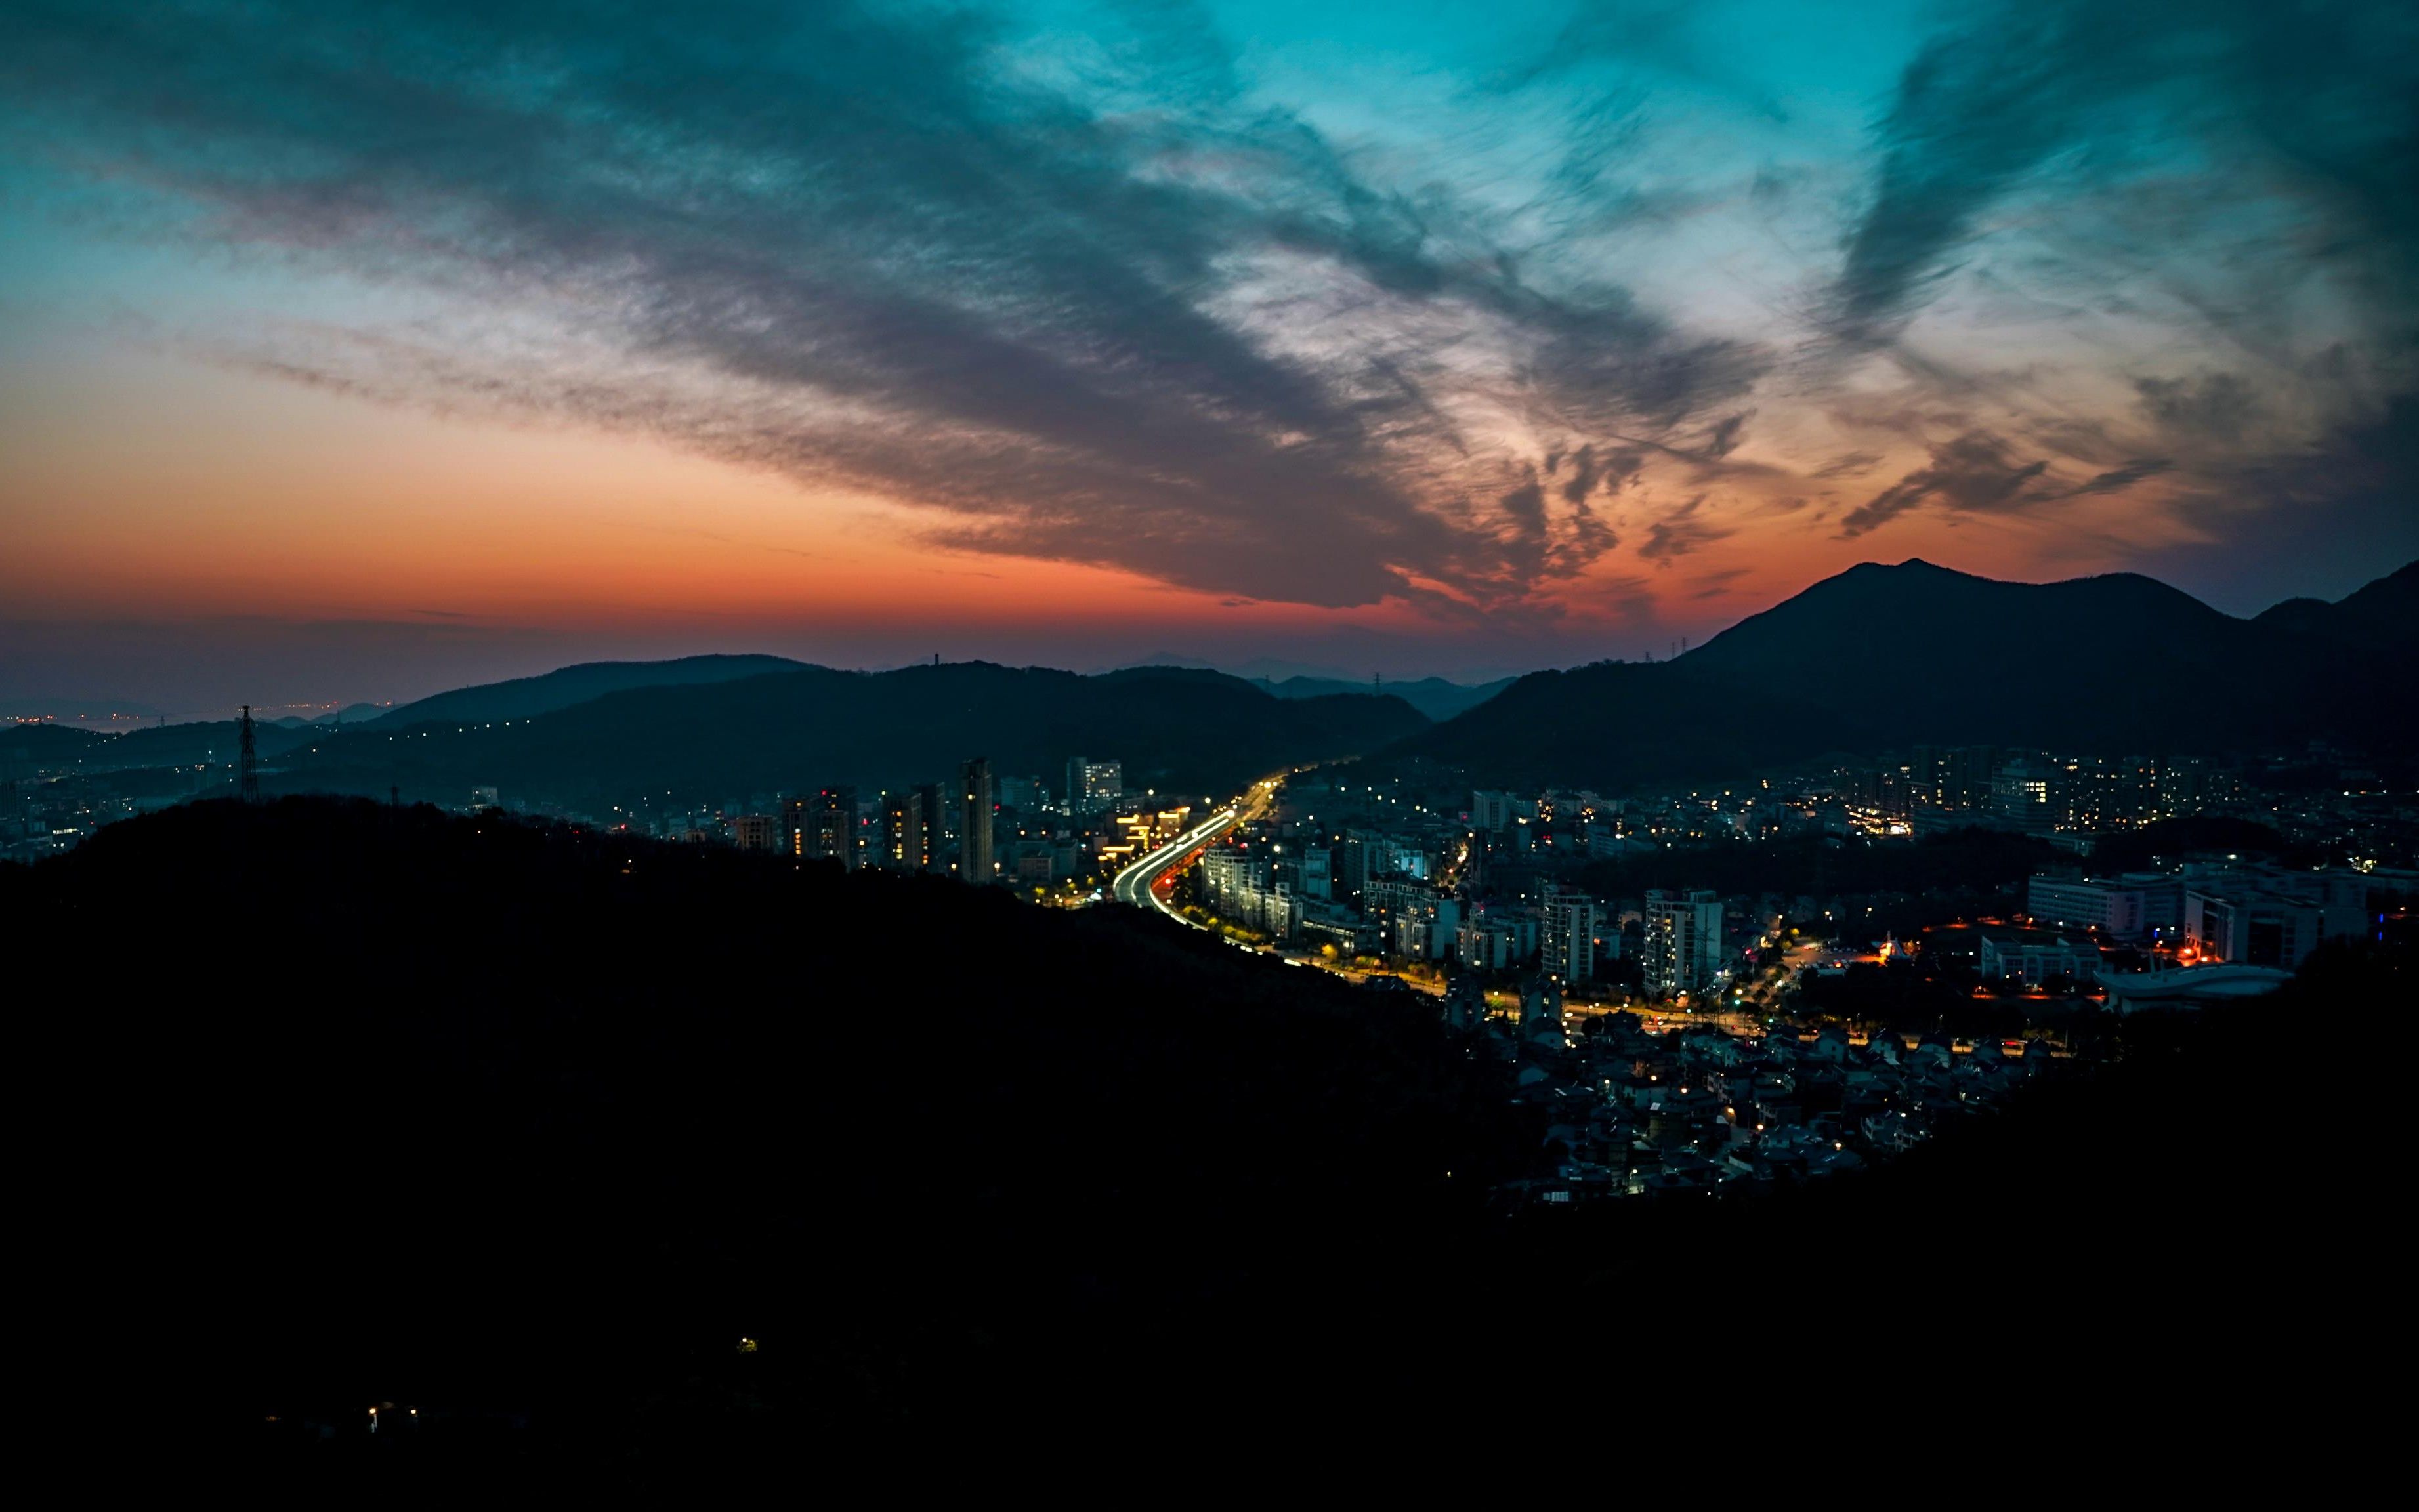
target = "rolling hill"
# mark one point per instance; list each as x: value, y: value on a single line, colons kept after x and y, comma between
x: 1189, y: 732
x: 522, y: 697
x: 176, y: 745
x: 33, y: 746
x: 1432, y: 696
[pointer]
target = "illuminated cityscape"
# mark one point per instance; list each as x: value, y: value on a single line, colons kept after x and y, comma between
x: 872, y: 743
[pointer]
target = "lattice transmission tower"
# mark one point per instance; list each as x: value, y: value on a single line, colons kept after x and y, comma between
x: 247, y: 768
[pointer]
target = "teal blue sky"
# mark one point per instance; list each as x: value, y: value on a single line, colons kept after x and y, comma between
x: 1449, y: 336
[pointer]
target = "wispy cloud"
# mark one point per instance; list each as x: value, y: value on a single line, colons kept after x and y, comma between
x: 2245, y: 174
x: 1713, y: 584
x: 858, y: 242
x: 1972, y: 474
x: 1853, y: 465
x: 2117, y: 480
x: 1108, y: 301
x: 1679, y: 532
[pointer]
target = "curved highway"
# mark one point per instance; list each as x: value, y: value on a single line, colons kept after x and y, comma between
x: 1134, y: 883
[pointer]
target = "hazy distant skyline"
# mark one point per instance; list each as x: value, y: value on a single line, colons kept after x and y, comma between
x: 352, y: 350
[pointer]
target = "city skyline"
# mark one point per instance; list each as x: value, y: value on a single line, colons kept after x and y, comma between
x: 902, y: 737
x: 1463, y: 344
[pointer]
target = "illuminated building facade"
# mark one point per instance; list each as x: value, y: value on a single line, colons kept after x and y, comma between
x: 1683, y: 942
x: 975, y: 808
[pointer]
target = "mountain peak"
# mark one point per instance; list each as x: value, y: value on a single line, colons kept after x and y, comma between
x: 1888, y: 656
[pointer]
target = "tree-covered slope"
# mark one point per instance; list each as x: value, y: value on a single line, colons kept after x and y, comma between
x: 1183, y: 733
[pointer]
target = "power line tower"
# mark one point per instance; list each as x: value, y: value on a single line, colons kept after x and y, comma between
x: 247, y: 781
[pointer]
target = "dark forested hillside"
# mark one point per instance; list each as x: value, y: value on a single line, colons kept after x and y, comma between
x: 522, y: 697
x: 562, y: 1103
x: 32, y: 745
x: 531, y: 1128
x: 1185, y: 732
x: 196, y: 742
x: 1432, y: 696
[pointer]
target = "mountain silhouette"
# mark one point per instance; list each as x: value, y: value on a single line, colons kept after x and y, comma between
x: 32, y: 745
x: 1883, y: 657
x: 1184, y: 731
x: 1432, y: 696
x: 2386, y: 609
x: 193, y: 743
x: 520, y: 698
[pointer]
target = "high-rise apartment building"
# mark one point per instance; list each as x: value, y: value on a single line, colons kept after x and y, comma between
x: 756, y: 832
x: 1427, y: 928
x: 823, y: 826
x: 1966, y: 774
x: 1495, y: 936
x: 1093, y: 787
x: 1490, y: 810
x: 1572, y: 926
x: 975, y: 806
x: 935, y: 812
x: 900, y: 845
x: 1683, y: 941
x: 1365, y: 857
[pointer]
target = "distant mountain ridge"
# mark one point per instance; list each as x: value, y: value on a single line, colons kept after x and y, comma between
x: 1189, y: 732
x: 2388, y: 607
x: 1881, y: 658
x: 38, y: 744
x: 200, y: 741
x: 522, y: 698
x: 1432, y: 696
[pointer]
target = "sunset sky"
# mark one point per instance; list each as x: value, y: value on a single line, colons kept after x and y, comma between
x: 354, y: 351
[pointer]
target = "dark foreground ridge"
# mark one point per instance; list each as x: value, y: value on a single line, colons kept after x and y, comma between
x: 529, y: 1129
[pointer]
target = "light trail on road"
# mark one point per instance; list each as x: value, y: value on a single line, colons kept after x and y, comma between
x: 1135, y: 884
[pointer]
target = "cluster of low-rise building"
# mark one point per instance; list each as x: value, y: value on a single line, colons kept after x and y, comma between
x: 2211, y: 929
x: 2227, y: 908
x: 46, y: 813
x: 1629, y: 1111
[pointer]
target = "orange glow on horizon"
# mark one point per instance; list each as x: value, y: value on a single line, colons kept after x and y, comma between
x: 144, y: 487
